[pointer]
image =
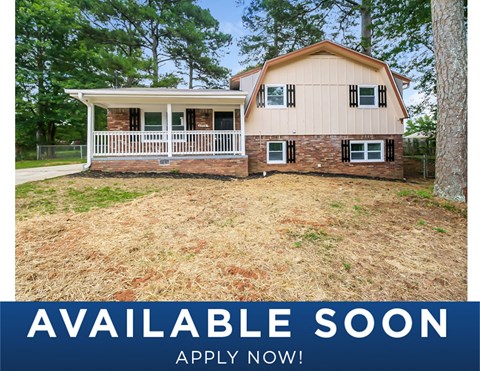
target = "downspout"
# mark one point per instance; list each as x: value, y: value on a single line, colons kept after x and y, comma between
x: 90, y: 113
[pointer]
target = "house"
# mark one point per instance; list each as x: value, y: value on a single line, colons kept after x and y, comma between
x: 324, y: 108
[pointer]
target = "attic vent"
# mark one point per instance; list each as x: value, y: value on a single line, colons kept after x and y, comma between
x: 322, y: 52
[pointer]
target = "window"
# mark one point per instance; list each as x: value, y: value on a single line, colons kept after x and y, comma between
x: 276, y: 153
x: 366, y: 151
x: 276, y: 96
x: 178, y: 124
x: 157, y: 121
x: 178, y: 121
x: 153, y: 121
x: 368, y: 96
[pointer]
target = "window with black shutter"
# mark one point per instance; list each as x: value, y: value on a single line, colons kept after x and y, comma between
x: 353, y: 95
x: 134, y: 119
x: 382, y: 96
x: 291, y: 159
x: 345, y: 150
x: 191, y: 123
x: 290, y: 95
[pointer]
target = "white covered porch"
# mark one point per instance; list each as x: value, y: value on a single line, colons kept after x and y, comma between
x: 159, y: 122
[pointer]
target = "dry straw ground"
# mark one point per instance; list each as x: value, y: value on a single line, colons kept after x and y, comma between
x: 283, y: 237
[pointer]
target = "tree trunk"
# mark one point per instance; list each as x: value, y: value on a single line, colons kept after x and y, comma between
x: 190, y: 75
x: 155, y: 60
x: 451, y: 64
x: 366, y: 13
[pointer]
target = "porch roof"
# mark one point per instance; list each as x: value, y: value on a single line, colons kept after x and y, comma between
x: 132, y: 97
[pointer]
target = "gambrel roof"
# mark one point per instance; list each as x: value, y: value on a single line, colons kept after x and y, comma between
x: 330, y: 47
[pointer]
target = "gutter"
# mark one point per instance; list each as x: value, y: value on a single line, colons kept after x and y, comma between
x: 89, y: 130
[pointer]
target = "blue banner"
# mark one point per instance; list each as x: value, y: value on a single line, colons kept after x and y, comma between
x: 239, y: 336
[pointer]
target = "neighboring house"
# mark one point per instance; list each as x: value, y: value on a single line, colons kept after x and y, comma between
x: 324, y: 108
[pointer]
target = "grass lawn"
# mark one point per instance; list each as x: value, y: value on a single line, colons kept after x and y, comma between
x: 283, y: 237
x: 26, y: 164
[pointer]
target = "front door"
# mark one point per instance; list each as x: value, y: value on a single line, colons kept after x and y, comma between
x: 223, y: 121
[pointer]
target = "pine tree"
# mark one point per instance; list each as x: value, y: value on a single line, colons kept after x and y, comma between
x: 450, y: 46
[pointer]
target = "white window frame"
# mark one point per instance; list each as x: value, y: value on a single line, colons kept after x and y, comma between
x: 284, y: 152
x: 142, y: 116
x: 183, y: 138
x: 284, y: 105
x: 375, y: 95
x: 365, y: 150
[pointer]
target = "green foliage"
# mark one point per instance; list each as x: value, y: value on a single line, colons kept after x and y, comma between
x: 420, y: 193
x: 422, y: 222
x: 313, y: 237
x: 94, y: 44
x: 278, y: 27
x: 359, y: 209
x: 51, y: 55
x: 23, y: 190
x: 404, y: 38
x: 347, y: 266
x: 27, y: 164
x: 336, y: 205
x: 86, y: 199
x: 425, y: 125
x: 440, y: 230
x: 197, y: 45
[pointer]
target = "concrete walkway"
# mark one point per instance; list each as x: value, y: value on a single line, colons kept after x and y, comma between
x: 40, y: 173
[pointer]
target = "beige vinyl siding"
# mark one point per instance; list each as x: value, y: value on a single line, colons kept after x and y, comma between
x: 322, y: 100
x: 247, y: 83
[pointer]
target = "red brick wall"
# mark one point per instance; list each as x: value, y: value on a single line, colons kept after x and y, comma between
x: 312, y: 150
x: 118, y: 119
x: 204, y: 119
x: 237, y: 120
x: 237, y: 167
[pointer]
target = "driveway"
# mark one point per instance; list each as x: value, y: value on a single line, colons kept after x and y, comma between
x: 40, y: 173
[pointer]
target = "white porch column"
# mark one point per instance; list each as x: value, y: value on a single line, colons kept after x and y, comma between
x: 242, y: 128
x: 90, y: 128
x: 169, y: 128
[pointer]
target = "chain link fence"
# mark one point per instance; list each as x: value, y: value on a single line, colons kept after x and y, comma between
x: 60, y: 151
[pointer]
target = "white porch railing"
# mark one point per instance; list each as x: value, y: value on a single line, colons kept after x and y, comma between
x: 137, y: 143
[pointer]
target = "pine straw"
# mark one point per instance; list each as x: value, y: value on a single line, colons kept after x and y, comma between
x: 280, y: 238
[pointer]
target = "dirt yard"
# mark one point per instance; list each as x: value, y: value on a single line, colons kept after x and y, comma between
x: 279, y: 238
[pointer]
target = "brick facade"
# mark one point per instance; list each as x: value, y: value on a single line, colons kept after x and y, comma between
x: 311, y: 151
x: 233, y: 166
x: 324, y: 150
x: 118, y: 119
x: 204, y: 119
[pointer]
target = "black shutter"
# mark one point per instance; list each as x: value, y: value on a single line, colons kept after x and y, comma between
x: 261, y: 96
x: 382, y: 96
x: 353, y: 95
x: 390, y: 150
x: 345, y: 150
x: 134, y: 119
x: 291, y: 152
x: 290, y: 95
x: 191, y: 123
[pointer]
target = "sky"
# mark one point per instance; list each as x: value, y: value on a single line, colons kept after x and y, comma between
x: 230, y: 17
